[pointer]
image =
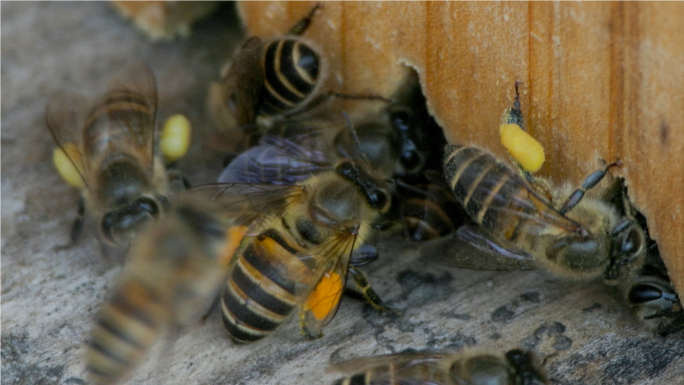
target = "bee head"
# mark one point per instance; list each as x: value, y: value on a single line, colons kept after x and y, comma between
x: 119, y: 226
x: 373, y: 190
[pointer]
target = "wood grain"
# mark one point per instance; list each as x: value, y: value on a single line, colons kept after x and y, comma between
x: 601, y: 81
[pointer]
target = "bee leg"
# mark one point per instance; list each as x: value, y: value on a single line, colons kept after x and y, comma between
x: 367, y: 291
x: 302, y: 25
x: 591, y: 181
x: 76, y: 227
x: 176, y: 175
x: 213, y: 307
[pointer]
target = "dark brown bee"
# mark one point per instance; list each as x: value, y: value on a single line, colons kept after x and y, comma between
x: 269, y: 80
x: 649, y: 291
x: 582, y: 238
x: 111, y: 147
x: 513, y: 367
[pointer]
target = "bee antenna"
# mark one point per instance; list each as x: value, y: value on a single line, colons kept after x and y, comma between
x: 408, y: 187
x: 354, y: 135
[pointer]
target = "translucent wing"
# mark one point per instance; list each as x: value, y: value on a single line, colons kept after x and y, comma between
x: 123, y: 119
x: 277, y: 160
x: 289, y: 153
x: 472, y: 247
x: 322, y: 299
x: 249, y: 204
x: 64, y: 118
x: 405, y: 369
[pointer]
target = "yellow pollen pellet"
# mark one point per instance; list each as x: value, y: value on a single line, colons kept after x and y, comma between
x: 525, y: 149
x: 65, y: 168
x: 325, y: 296
x: 175, y: 137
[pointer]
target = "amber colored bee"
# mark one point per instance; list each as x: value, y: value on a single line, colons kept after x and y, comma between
x: 518, y: 228
x: 174, y: 269
x: 269, y: 80
x: 514, y: 367
x: 112, y: 148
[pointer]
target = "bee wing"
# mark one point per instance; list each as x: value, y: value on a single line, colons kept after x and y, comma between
x: 410, y: 369
x: 248, y: 204
x: 124, y: 118
x: 277, y: 160
x: 64, y: 118
x: 472, y: 247
x: 322, y: 298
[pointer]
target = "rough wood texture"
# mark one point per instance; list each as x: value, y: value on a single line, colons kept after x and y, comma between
x: 600, y: 81
x: 49, y: 298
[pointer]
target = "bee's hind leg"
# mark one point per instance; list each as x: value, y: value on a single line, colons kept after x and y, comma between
x: 367, y: 292
x: 76, y: 227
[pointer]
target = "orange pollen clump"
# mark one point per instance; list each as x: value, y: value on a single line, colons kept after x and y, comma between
x: 325, y: 296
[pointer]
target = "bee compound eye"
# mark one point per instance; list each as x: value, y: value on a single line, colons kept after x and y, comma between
x: 400, y: 120
x: 379, y: 198
x: 411, y: 160
x: 632, y: 242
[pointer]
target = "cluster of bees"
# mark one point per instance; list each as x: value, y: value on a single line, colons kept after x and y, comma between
x: 287, y: 221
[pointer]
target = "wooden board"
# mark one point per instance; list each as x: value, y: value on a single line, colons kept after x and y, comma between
x: 601, y: 81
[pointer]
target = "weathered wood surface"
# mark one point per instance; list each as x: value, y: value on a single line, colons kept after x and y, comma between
x: 600, y: 81
x: 49, y: 299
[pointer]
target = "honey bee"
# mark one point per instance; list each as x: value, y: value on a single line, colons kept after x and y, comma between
x: 513, y: 367
x: 175, y: 267
x: 517, y: 228
x: 111, y: 148
x: 299, y: 254
x: 269, y: 80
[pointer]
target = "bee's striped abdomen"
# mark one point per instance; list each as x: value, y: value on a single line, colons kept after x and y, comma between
x: 492, y: 195
x: 291, y: 71
x: 126, y: 327
x: 259, y: 294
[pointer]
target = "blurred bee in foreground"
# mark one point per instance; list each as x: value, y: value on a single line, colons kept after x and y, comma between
x: 175, y: 268
x: 649, y: 292
x: 517, y: 228
x: 269, y: 80
x: 109, y: 152
x: 514, y: 367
